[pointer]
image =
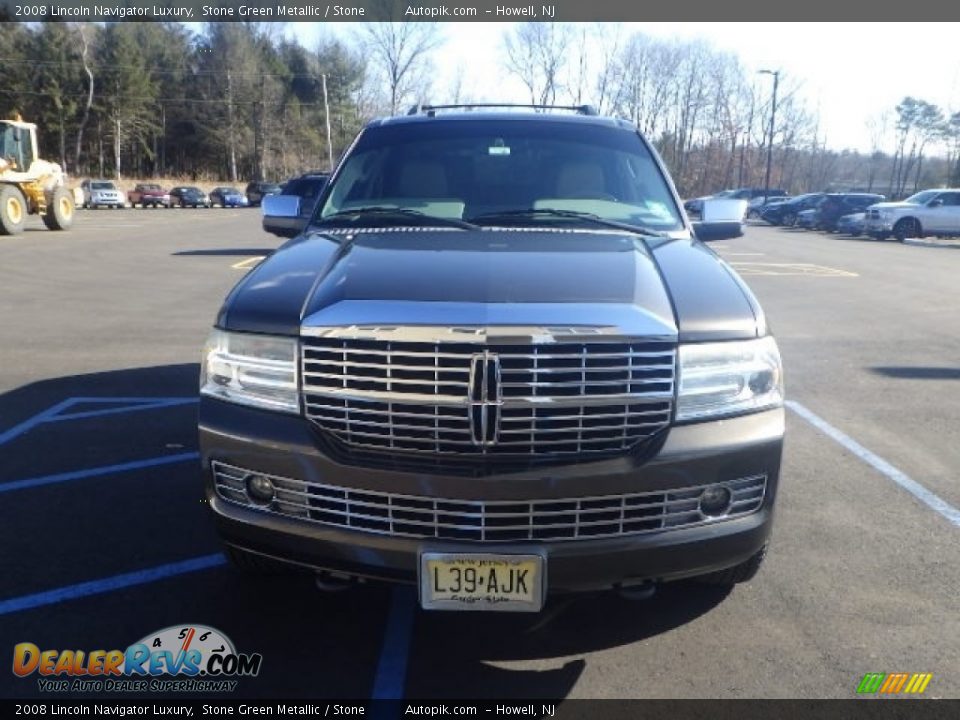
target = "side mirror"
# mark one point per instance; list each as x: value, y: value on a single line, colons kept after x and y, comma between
x: 280, y: 206
x: 721, y: 219
x: 281, y: 215
x: 936, y: 202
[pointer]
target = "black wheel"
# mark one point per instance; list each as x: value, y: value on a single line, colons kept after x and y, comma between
x: 13, y: 210
x: 790, y: 219
x: 907, y: 228
x: 250, y: 563
x: 744, y: 572
x: 59, y: 215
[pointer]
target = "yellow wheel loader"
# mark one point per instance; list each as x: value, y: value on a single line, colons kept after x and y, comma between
x: 29, y: 185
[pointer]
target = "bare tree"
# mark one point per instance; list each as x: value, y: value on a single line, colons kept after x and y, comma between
x: 537, y: 52
x: 84, y: 58
x: 401, y: 52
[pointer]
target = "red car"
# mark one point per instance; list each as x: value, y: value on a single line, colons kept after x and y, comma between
x: 149, y: 194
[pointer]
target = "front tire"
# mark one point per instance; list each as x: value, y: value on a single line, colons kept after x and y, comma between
x: 13, y: 210
x: 790, y: 220
x: 744, y: 572
x: 907, y: 228
x: 59, y: 215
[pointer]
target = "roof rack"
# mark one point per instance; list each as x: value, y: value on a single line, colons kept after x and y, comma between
x: 431, y: 110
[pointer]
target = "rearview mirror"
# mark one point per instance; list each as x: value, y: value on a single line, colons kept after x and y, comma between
x: 280, y: 206
x: 721, y: 219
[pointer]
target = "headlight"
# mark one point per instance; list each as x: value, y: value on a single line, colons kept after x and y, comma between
x: 729, y: 377
x: 258, y: 370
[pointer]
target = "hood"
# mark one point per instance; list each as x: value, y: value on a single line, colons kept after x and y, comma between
x: 495, y: 277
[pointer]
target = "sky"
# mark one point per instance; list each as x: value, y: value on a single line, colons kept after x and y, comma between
x: 847, y: 72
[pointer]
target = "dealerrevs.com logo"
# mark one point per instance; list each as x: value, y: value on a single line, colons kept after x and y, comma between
x: 180, y: 658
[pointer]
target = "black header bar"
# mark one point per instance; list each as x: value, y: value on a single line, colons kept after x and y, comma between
x: 549, y: 709
x: 467, y: 11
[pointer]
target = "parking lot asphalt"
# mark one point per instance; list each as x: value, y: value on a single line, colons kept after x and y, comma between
x: 106, y: 538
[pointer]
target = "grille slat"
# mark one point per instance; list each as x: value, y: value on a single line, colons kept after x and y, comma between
x: 551, y: 400
x: 491, y: 521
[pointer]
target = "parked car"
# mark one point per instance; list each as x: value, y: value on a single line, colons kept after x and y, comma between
x: 836, y: 205
x: 256, y: 191
x: 695, y: 205
x: 852, y: 224
x: 500, y: 364
x: 151, y: 194
x: 189, y: 196
x: 756, y: 197
x: 227, y: 197
x: 306, y: 189
x: 102, y: 193
x: 759, y: 201
x: 931, y: 212
x: 786, y: 212
x: 808, y: 219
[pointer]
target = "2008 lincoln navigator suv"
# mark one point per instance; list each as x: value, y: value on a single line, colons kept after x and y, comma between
x: 497, y: 364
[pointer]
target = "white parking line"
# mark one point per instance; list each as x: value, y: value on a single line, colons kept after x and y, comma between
x: 249, y: 263
x: 931, y: 500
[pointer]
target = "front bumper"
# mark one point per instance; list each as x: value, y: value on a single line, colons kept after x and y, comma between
x: 874, y: 226
x: 692, y: 455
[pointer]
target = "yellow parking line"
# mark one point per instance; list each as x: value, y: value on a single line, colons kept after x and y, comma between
x: 249, y: 263
x: 796, y: 269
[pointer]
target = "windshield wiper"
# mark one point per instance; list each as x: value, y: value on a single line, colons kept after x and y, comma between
x: 528, y: 213
x: 421, y: 218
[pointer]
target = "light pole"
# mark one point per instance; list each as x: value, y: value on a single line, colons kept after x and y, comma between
x: 773, y: 116
x: 326, y: 111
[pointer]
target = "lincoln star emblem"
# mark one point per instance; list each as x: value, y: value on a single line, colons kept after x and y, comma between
x: 484, y: 396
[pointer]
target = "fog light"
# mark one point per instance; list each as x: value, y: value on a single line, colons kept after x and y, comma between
x: 715, y: 500
x: 259, y: 489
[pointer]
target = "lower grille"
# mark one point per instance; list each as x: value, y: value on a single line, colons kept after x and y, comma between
x: 488, y: 520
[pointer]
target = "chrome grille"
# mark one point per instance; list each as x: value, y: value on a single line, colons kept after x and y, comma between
x: 543, y: 399
x: 490, y: 520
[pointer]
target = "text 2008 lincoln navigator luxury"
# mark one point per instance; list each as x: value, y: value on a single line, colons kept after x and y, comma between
x: 497, y: 364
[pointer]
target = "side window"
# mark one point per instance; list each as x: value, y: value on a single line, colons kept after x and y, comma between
x: 950, y: 199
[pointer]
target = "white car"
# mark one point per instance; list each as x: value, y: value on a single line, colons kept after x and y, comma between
x: 931, y: 212
x: 102, y: 193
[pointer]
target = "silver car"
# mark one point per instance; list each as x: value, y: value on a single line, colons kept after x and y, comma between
x: 931, y: 212
x: 102, y: 193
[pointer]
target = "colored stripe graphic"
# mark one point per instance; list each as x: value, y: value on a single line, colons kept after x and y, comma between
x: 894, y: 683
x: 871, y: 682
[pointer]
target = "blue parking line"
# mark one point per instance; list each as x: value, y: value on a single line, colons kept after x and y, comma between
x: 391, y: 677
x: 32, y: 422
x: 109, y: 584
x: 28, y: 483
x: 54, y: 413
x: 129, y: 408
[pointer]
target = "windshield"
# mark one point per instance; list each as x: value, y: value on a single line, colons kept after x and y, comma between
x: 102, y: 186
x: 491, y: 170
x: 921, y: 198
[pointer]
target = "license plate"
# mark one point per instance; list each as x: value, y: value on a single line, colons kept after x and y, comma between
x: 475, y: 581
